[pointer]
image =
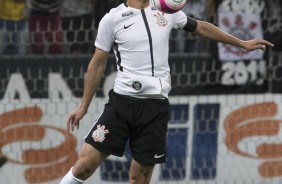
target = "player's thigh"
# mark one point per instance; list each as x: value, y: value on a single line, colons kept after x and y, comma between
x: 140, y: 173
x: 89, y: 160
x: 148, y: 140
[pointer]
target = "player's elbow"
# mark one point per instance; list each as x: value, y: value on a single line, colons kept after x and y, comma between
x: 203, y: 29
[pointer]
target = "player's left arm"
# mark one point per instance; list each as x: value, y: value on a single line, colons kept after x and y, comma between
x: 208, y: 30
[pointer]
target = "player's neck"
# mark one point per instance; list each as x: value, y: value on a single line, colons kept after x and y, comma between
x: 138, y: 4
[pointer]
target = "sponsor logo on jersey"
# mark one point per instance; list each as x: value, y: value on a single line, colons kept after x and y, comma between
x: 136, y: 85
x: 127, y: 13
x: 99, y: 134
x: 161, y: 21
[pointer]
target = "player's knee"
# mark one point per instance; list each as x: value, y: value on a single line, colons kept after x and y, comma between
x: 141, y: 177
x: 82, y: 170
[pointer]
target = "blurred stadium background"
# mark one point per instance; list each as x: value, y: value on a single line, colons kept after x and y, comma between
x: 225, y: 125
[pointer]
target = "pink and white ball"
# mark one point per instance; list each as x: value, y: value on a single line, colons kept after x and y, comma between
x: 169, y: 6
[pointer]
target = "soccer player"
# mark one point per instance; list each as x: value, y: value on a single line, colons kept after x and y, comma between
x: 138, y: 108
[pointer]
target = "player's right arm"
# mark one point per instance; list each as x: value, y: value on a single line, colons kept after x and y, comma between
x: 96, y: 68
x: 92, y: 80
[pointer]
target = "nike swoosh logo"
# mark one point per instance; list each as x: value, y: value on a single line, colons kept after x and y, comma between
x: 125, y: 27
x: 158, y: 156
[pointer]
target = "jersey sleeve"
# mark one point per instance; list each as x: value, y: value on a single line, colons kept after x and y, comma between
x: 105, y: 35
x: 180, y: 19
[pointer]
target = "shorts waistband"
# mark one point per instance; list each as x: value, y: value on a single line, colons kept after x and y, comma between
x: 164, y: 100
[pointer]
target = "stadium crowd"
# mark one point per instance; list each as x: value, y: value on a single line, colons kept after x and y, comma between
x: 69, y: 26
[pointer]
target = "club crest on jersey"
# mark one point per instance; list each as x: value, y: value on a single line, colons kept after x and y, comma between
x: 99, y: 134
x: 161, y: 21
x: 127, y: 13
x: 136, y: 85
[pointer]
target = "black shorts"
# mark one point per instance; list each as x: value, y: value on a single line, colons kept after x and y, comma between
x: 141, y: 121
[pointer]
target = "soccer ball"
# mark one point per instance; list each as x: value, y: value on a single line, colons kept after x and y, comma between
x: 169, y: 6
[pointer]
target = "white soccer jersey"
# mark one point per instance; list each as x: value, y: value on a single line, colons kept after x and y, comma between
x: 140, y: 39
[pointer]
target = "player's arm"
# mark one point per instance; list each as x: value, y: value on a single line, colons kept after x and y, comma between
x: 208, y: 30
x: 93, y: 77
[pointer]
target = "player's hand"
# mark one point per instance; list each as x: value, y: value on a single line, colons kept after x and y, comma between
x: 254, y: 44
x: 74, y: 118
